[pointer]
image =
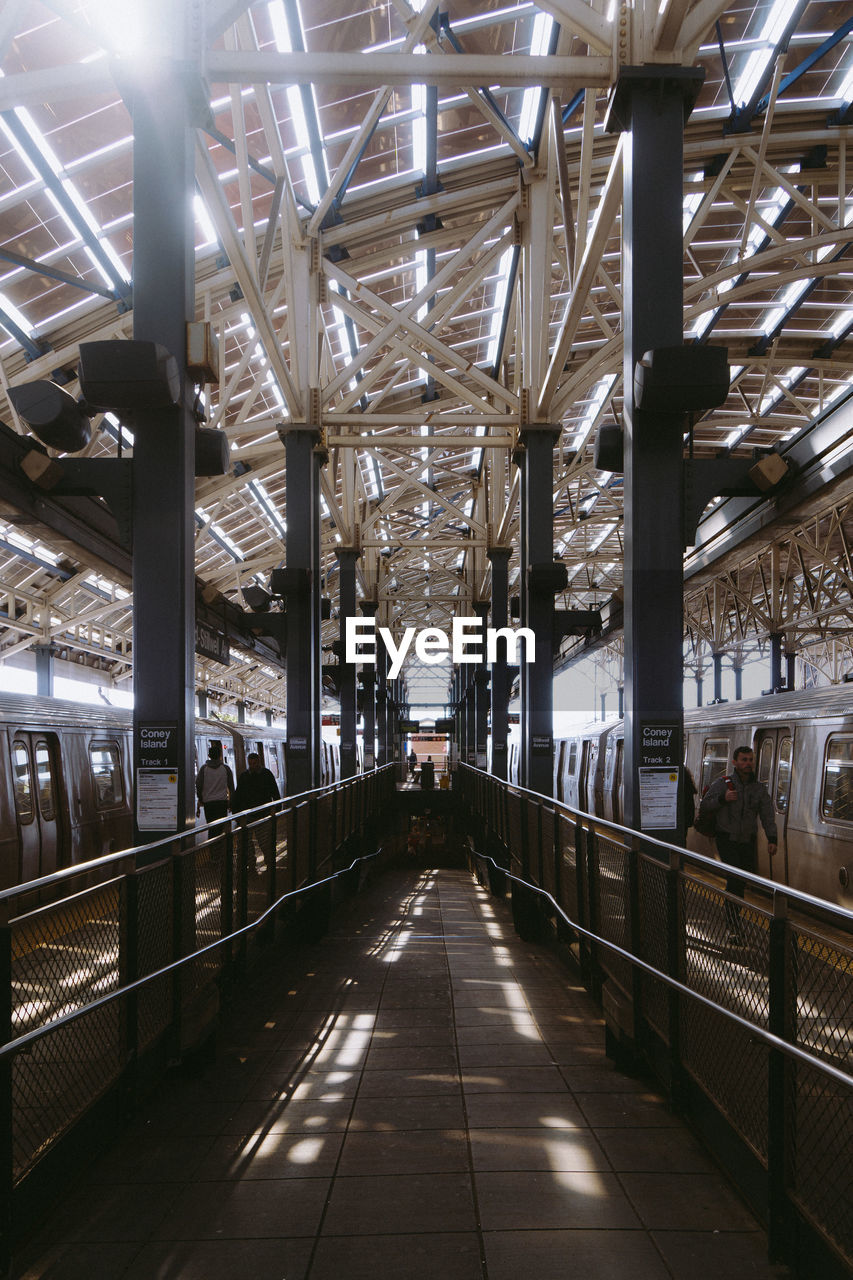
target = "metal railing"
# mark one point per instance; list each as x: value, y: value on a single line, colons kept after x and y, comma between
x: 114, y: 967
x: 753, y: 1040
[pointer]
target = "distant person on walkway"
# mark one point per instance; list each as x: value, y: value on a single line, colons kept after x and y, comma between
x: 214, y: 785
x: 256, y: 785
x: 413, y: 763
x: 738, y: 801
x: 427, y: 775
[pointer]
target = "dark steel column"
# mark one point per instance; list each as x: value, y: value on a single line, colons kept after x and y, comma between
x: 538, y: 581
x: 202, y: 704
x: 481, y: 693
x: 776, y: 640
x: 368, y: 697
x: 649, y: 102
x: 718, y: 676
x: 164, y: 452
x: 347, y: 557
x: 302, y: 589
x: 381, y: 705
x: 500, y: 557
x: 791, y: 670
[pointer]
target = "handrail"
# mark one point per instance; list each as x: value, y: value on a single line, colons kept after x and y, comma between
x: 711, y: 864
x: 284, y: 804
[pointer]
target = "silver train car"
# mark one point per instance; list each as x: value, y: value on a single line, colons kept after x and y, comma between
x: 66, y: 777
x: 803, y: 744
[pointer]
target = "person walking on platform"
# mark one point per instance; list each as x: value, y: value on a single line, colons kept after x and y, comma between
x: 428, y: 774
x: 737, y: 802
x: 214, y: 785
x: 256, y: 785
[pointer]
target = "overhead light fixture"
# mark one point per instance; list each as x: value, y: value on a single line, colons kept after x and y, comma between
x: 53, y: 415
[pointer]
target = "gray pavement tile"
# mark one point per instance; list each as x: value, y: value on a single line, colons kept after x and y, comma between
x: 528, y: 1053
x: 408, y: 1113
x: 573, y: 1255
x: 411, y: 1083
x: 410, y: 1204
x: 249, y: 1210
x: 272, y: 1155
x: 523, y: 1110
x: 686, y: 1202
x: 626, y: 1110
x: 653, y: 1150
x: 384, y: 1057
x: 76, y: 1262
x: 708, y: 1255
x: 511, y: 1079
x: 523, y: 1201
x: 399, y: 1257
x: 404, y: 1151
x: 277, y: 1259
x: 311, y: 1115
x: 541, y: 1148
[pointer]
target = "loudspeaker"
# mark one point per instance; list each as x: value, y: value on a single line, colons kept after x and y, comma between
x: 682, y: 379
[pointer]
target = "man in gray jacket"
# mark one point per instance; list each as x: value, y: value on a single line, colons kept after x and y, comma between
x: 738, y: 801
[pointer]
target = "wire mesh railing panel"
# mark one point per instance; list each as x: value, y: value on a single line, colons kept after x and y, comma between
x: 63, y: 955
x: 612, y: 871
x: 283, y: 847
x: 155, y: 942
x: 59, y: 1077
x: 547, y: 835
x: 513, y: 804
x: 568, y: 854
x: 655, y: 933
x: 822, y: 1164
x: 734, y: 975
x: 209, y: 865
x: 323, y: 835
x: 731, y: 1067
x: 824, y: 985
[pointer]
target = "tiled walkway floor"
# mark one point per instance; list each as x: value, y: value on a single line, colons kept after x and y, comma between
x: 419, y: 1097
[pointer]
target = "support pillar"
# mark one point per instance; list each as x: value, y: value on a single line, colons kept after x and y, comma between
x: 300, y: 583
x: 700, y: 685
x: 347, y: 558
x: 241, y: 712
x: 650, y: 104
x: 500, y: 557
x: 603, y: 706
x: 791, y: 671
x: 481, y: 694
x: 382, y: 705
x: 45, y: 653
x: 163, y: 509
x: 368, y: 697
x: 718, y: 676
x: 540, y: 577
x: 202, y: 704
x: 776, y: 641
x: 738, y: 670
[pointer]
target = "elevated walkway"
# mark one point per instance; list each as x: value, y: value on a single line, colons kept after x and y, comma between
x: 421, y: 1094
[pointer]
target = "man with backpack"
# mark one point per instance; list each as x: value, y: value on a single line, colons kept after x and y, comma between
x: 737, y: 802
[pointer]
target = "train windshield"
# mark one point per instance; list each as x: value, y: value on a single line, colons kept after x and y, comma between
x: 837, y: 796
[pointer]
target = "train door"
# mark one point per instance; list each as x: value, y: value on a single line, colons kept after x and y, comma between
x: 583, y: 773
x: 35, y: 765
x: 773, y: 755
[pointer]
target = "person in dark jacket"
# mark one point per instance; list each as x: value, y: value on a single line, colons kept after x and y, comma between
x: 738, y: 802
x: 256, y: 785
x: 427, y: 774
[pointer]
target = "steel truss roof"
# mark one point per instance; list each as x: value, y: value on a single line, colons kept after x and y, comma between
x: 408, y: 230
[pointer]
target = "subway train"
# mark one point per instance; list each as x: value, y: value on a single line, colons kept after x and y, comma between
x: 65, y: 779
x: 803, y: 743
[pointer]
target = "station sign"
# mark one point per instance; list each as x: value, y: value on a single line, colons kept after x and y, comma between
x: 445, y: 726
x: 410, y: 726
x: 210, y: 643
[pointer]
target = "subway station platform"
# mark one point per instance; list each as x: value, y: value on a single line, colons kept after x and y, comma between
x: 419, y: 1095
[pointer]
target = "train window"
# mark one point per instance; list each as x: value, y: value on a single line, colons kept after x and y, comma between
x: 573, y: 758
x: 23, y: 782
x: 715, y: 759
x: 783, y: 773
x: 105, y: 764
x: 765, y: 762
x: 44, y: 777
x: 837, y: 795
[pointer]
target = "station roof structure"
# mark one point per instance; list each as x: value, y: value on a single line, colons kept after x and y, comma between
x: 408, y: 232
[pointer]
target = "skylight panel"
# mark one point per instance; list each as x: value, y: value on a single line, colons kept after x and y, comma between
x: 542, y: 27
x: 757, y: 62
